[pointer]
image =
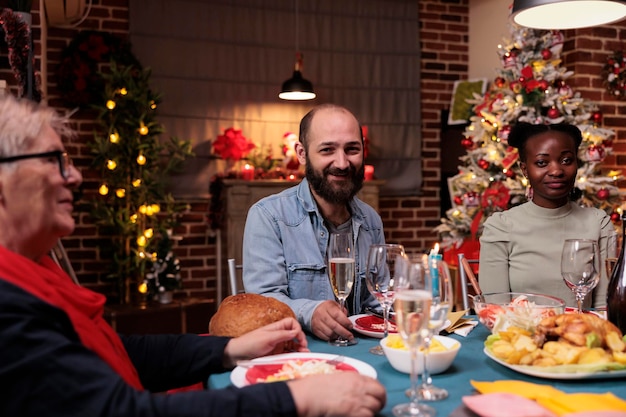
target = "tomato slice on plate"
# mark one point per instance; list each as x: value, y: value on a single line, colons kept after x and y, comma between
x: 374, y: 324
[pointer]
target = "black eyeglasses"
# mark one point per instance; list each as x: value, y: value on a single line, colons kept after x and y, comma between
x: 61, y: 156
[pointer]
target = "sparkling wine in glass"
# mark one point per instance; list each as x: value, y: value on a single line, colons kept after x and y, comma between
x: 439, y: 308
x: 412, y: 307
x: 580, y: 267
x: 383, y: 280
x: 341, y: 270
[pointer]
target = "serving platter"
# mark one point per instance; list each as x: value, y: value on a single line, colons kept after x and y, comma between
x: 591, y: 371
x: 241, y: 376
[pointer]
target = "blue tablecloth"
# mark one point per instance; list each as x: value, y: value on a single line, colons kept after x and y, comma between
x: 470, y: 364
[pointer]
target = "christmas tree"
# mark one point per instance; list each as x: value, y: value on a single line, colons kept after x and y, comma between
x: 134, y: 208
x: 531, y: 87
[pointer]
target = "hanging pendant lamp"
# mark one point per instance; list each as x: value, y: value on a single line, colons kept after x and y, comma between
x: 567, y: 14
x: 297, y: 88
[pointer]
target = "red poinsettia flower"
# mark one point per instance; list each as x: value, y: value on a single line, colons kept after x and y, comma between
x: 232, y: 145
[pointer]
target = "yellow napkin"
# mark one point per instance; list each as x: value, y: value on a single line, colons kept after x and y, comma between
x: 551, y: 398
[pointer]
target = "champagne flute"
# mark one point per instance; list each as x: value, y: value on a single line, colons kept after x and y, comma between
x: 382, y: 281
x: 341, y: 273
x: 439, y: 308
x: 580, y: 267
x: 412, y: 307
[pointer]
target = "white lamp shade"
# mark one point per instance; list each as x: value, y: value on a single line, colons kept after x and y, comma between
x: 567, y: 14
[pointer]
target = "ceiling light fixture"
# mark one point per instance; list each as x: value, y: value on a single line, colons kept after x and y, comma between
x: 567, y: 14
x: 297, y: 88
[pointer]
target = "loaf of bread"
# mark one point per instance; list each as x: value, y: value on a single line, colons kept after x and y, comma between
x: 242, y: 313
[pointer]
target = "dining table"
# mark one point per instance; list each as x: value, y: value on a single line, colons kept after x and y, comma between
x: 470, y: 364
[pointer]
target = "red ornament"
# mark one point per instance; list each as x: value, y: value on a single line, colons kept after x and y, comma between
x: 615, y: 217
x: 546, y: 54
x: 597, y: 117
x: 510, y: 173
x: 458, y: 201
x: 553, y: 113
x: 500, y: 82
x: 483, y: 164
x: 603, y: 194
x: 467, y: 143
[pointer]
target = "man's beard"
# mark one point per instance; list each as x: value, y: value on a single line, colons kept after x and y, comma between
x: 342, y: 193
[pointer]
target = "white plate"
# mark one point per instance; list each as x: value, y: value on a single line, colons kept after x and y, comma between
x: 559, y: 372
x: 367, y: 332
x: 238, y: 375
x: 379, y: 334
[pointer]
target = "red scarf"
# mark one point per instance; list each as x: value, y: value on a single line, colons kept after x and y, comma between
x: 85, y: 308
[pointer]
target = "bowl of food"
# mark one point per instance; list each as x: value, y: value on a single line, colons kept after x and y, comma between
x: 499, y: 311
x: 441, y: 354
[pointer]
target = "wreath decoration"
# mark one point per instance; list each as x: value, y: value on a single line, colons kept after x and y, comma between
x: 614, y: 75
x: 17, y: 35
x: 79, y: 78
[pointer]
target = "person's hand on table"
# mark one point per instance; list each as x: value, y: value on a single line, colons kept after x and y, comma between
x: 339, y: 394
x: 264, y: 340
x: 330, y: 321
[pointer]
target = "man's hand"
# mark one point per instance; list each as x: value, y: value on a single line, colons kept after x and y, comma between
x: 330, y: 321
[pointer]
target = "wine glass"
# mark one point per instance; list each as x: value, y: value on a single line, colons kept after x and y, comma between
x: 413, y: 311
x: 580, y: 267
x: 382, y: 280
x: 439, y: 308
x: 341, y: 273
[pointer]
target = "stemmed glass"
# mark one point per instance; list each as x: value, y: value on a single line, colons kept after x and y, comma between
x: 382, y: 280
x: 580, y: 267
x: 413, y: 311
x: 439, y: 308
x: 341, y: 273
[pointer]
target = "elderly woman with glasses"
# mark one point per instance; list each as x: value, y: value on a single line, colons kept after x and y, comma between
x: 61, y: 358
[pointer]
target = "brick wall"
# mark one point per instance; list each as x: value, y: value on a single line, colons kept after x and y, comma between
x: 444, y: 40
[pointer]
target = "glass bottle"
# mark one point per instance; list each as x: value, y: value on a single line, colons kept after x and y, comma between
x: 616, y: 291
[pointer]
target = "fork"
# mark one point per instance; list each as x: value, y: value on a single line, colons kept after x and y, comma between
x: 335, y: 360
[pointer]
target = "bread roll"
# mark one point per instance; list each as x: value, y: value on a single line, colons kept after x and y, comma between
x: 242, y: 313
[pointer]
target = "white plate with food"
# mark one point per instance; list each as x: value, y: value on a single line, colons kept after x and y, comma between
x: 371, y: 325
x: 295, y: 365
x: 590, y: 371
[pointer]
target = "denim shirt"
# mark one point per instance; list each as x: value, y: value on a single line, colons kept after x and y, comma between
x: 284, y: 251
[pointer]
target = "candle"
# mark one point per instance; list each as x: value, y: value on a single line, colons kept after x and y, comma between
x: 434, y: 260
x: 247, y: 172
x: 369, y: 172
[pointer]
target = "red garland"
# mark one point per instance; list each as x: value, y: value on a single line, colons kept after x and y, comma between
x: 18, y: 38
x: 494, y: 198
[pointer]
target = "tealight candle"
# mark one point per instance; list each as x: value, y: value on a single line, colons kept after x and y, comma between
x: 369, y: 172
x: 247, y: 172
